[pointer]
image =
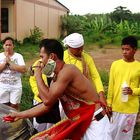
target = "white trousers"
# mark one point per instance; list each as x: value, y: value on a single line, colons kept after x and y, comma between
x: 98, y: 130
x: 122, y: 126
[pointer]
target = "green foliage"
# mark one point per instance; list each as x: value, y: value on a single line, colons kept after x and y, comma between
x: 29, y: 51
x: 26, y: 40
x: 27, y: 96
x: 102, y: 29
x: 120, y: 14
x: 36, y: 35
x: 71, y: 24
x: 136, y: 135
x: 1, y: 44
x: 105, y: 79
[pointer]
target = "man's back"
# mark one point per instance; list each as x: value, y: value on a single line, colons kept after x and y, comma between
x: 78, y: 84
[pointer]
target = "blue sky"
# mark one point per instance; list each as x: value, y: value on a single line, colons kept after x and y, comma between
x: 99, y: 6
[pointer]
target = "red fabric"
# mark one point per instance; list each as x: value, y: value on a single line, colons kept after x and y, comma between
x: 79, y: 118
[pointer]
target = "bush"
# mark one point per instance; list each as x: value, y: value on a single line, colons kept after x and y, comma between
x: 105, y: 79
x: 26, y: 40
x: 36, y: 35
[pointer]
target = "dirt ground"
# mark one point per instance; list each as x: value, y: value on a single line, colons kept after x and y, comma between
x: 104, y: 57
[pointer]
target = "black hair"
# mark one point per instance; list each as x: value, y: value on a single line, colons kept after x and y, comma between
x: 130, y: 40
x: 8, y: 38
x: 52, y: 46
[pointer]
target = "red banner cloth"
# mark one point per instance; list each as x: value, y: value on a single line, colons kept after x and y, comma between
x: 79, y: 115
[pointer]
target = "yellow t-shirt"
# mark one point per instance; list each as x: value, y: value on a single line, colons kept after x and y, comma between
x: 95, y: 78
x: 123, y: 71
x: 33, y: 84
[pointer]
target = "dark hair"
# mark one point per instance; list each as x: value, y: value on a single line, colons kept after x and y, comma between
x: 130, y: 40
x: 52, y: 46
x: 8, y: 38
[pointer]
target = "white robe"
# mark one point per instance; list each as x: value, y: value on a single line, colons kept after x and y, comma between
x: 98, y: 130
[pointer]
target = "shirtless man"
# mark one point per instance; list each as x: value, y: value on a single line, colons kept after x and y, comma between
x: 86, y: 119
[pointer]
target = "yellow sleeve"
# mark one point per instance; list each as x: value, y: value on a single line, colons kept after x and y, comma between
x: 95, y: 77
x: 66, y: 58
x: 135, y: 82
x: 33, y: 84
x: 136, y: 91
x: 110, y: 87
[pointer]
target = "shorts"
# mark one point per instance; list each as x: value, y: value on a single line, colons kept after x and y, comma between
x: 12, y: 95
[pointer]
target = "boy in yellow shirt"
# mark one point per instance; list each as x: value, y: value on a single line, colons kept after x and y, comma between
x: 124, y: 112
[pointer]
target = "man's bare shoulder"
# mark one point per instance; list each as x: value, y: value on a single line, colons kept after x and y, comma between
x: 68, y: 71
x: 70, y: 68
x: 66, y: 75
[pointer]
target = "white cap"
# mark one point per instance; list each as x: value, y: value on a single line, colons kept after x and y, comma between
x: 74, y: 40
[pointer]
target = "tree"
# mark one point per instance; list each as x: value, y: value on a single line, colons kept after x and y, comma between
x: 120, y: 14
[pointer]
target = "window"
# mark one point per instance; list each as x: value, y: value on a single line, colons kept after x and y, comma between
x: 4, y: 20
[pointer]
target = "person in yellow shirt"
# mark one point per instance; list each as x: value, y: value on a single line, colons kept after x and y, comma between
x: 123, y: 91
x: 45, y: 121
x: 82, y: 60
x: 33, y: 83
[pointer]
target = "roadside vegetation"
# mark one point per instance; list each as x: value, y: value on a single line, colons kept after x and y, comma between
x: 103, y: 28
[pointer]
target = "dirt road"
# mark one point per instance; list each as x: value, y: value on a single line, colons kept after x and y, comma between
x: 104, y: 57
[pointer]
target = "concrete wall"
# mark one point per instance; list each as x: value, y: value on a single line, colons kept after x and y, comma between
x: 44, y: 14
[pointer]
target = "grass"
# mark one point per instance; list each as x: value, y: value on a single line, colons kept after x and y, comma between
x: 29, y: 51
x: 136, y: 135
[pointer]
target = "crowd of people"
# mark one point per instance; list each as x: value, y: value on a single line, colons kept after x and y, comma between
x: 69, y: 98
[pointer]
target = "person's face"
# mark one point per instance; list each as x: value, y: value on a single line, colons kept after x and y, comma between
x: 44, y: 56
x: 128, y: 52
x: 76, y: 51
x: 8, y: 46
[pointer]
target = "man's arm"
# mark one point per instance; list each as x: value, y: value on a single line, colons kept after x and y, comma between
x: 102, y: 98
x: 96, y: 80
x: 56, y: 89
x: 35, y: 111
x: 50, y: 95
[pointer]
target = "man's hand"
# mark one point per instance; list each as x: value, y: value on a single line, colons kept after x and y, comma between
x: 12, y: 117
x: 109, y: 112
x: 102, y: 98
x: 127, y: 90
x: 38, y: 69
x: 107, y: 109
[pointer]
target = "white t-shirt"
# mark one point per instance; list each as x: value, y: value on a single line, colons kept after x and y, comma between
x: 11, y: 78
